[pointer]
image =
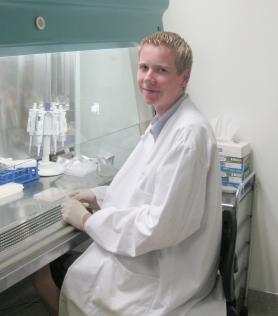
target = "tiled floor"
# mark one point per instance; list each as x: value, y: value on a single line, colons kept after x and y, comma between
x: 21, y: 300
x: 262, y: 304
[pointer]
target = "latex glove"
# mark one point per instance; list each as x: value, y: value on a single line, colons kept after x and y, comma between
x: 74, y: 213
x: 86, y: 196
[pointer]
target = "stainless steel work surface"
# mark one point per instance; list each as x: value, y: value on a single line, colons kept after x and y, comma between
x: 32, y: 232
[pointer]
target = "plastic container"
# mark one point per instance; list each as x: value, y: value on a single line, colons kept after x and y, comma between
x: 19, y: 175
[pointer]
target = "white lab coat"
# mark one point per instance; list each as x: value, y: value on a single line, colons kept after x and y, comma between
x: 157, y: 236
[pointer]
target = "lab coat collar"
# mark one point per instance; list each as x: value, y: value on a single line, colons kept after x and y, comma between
x: 158, y: 122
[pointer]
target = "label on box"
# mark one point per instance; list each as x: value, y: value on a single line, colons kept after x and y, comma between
x: 234, y: 159
x: 240, y: 175
x: 233, y: 168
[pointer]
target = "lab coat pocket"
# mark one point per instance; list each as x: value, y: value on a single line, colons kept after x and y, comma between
x: 137, y: 285
x: 125, y: 292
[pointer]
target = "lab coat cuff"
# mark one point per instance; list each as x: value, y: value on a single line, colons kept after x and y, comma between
x: 100, y: 193
x: 87, y: 223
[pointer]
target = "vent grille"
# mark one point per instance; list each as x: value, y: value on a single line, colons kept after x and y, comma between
x: 29, y: 228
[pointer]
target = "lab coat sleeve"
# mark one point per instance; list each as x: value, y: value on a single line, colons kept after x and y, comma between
x: 174, y: 213
x: 100, y: 193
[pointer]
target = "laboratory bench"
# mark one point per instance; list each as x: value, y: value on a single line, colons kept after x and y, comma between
x: 32, y: 232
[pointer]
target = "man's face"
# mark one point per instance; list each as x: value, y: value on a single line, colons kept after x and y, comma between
x: 157, y: 77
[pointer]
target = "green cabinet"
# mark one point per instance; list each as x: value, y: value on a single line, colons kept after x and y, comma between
x: 58, y: 25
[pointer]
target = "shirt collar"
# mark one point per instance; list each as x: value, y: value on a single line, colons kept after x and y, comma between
x: 158, y: 122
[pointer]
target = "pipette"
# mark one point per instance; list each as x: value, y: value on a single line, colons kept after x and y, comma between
x: 63, y: 124
x: 55, y: 125
x: 39, y: 128
x: 31, y: 125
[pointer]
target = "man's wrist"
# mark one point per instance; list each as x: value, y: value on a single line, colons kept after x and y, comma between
x: 85, y: 217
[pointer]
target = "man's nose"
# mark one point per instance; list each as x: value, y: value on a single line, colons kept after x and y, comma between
x: 150, y: 76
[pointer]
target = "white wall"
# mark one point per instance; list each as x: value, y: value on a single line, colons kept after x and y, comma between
x: 235, y: 72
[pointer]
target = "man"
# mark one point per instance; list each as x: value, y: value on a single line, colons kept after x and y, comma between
x: 157, y: 232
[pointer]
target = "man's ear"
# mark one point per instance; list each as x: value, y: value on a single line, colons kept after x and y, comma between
x: 185, y: 77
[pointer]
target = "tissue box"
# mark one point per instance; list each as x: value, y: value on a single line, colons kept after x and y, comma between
x: 234, y: 164
x: 234, y: 170
x: 234, y: 178
x: 239, y: 150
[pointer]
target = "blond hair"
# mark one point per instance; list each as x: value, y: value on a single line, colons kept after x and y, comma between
x: 183, y: 52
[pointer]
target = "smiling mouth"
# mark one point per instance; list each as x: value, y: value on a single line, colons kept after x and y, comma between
x: 150, y: 90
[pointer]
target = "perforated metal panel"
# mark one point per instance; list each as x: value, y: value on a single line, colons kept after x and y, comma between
x: 30, y: 227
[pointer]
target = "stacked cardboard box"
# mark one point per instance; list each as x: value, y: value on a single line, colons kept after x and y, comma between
x: 234, y: 162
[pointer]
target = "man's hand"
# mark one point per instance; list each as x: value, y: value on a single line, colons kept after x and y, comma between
x: 74, y: 213
x: 87, y: 197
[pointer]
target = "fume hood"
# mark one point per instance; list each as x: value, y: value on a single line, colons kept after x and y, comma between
x: 83, y: 53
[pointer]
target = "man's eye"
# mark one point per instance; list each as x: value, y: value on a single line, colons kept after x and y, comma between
x: 162, y: 70
x: 143, y: 67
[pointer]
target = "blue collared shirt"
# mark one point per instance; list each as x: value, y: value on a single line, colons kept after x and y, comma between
x: 158, y: 122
